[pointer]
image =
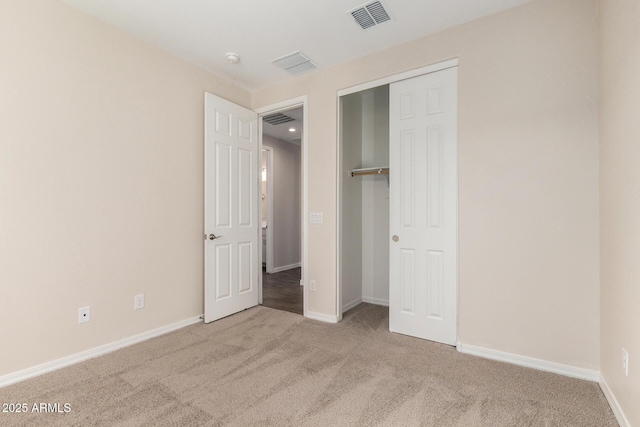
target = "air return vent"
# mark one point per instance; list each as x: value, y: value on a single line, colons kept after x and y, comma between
x: 370, y: 14
x: 295, y: 63
x: 277, y: 118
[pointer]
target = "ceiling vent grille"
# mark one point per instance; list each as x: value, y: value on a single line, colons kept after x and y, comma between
x: 370, y: 14
x: 277, y: 119
x: 297, y: 141
x: 295, y: 63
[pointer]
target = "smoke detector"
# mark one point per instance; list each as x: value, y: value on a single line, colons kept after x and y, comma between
x: 232, y: 58
x: 369, y: 14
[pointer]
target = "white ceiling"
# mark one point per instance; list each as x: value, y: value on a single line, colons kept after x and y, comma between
x: 203, y: 31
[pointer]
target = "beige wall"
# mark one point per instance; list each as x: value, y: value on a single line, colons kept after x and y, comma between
x: 101, y: 170
x: 286, y: 202
x: 620, y: 203
x: 528, y: 161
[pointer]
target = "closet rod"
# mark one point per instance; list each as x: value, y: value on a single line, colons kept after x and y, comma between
x: 370, y: 171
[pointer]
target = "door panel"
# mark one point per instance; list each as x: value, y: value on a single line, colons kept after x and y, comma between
x: 245, y: 201
x: 245, y: 270
x: 231, y: 209
x: 424, y: 206
x: 222, y: 181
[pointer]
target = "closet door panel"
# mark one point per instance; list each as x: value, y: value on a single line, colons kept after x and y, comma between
x: 423, y: 207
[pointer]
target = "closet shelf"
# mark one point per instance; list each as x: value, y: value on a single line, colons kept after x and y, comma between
x: 370, y: 171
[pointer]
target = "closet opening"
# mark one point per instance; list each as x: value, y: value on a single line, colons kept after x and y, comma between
x: 364, y: 197
x: 398, y: 201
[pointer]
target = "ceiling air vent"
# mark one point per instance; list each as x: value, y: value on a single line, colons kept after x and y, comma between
x: 295, y: 63
x: 370, y: 14
x: 277, y: 118
x: 297, y: 141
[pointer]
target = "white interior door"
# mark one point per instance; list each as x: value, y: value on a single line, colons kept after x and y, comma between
x: 231, y: 208
x: 424, y: 206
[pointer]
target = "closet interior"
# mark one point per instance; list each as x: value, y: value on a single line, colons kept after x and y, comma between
x: 364, y: 196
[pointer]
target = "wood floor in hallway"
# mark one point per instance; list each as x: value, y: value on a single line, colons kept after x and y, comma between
x: 282, y: 291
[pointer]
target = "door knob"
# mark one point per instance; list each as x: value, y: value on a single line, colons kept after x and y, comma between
x: 395, y: 238
x: 213, y: 236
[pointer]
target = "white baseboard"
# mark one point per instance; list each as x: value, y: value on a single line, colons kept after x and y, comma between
x: 285, y: 268
x: 34, y: 371
x: 321, y: 317
x: 530, y: 362
x: 376, y: 301
x: 613, y: 402
x: 349, y: 306
x: 369, y: 300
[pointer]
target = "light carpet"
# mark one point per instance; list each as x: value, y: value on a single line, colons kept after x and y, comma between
x: 267, y: 367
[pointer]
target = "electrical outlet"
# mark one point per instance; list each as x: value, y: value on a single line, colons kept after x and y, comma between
x: 138, y: 302
x: 625, y: 362
x: 312, y: 285
x: 316, y: 218
x: 84, y: 314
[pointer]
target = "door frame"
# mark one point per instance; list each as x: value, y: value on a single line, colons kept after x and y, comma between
x: 300, y: 101
x: 348, y: 91
x: 269, y: 216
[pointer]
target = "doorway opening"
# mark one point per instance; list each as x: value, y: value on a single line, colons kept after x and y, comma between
x: 282, y: 197
x: 364, y: 197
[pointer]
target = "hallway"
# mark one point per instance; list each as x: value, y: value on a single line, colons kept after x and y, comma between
x: 282, y: 291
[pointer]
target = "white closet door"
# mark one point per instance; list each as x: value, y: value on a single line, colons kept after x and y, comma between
x: 231, y: 208
x: 424, y: 206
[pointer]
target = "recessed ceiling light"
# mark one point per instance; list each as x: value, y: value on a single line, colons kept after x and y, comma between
x: 292, y: 129
x: 233, y: 58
